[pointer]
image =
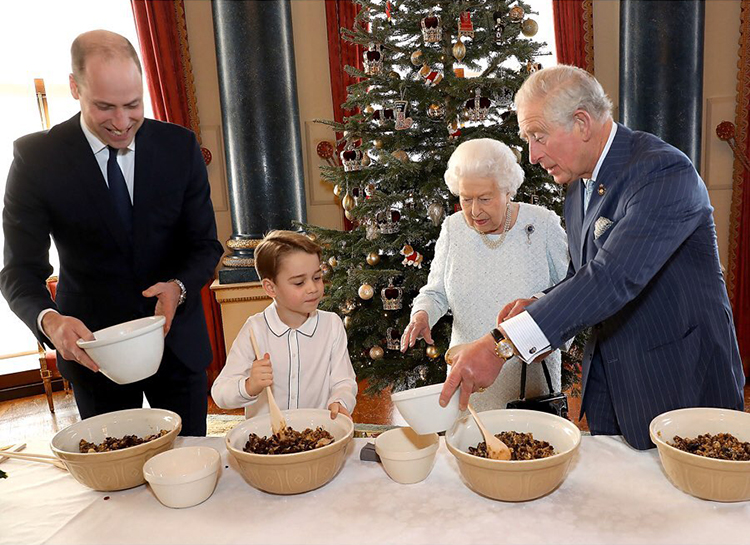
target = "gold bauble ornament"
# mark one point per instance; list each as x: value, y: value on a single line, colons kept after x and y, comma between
x: 394, y: 75
x: 348, y: 215
x: 366, y: 291
x: 347, y: 202
x: 378, y: 143
x: 401, y: 155
x: 312, y: 236
x: 516, y: 14
x: 347, y: 322
x: 365, y: 159
x: 369, y: 109
x: 376, y: 352
x: 432, y: 352
x: 337, y: 190
x: 416, y: 58
x: 373, y: 258
x: 333, y: 262
x: 529, y: 28
x: 325, y: 269
x: 459, y: 50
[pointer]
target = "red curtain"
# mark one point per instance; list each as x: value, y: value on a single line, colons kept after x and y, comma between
x: 574, y: 29
x: 341, y: 14
x: 162, y: 33
x: 738, y: 275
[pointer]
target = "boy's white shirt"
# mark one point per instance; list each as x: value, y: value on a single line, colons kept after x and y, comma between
x: 311, y: 365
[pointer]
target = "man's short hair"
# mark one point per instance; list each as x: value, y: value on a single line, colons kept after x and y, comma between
x: 564, y: 89
x: 99, y: 42
x: 278, y: 244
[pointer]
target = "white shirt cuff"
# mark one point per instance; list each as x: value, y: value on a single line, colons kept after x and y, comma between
x: 39, y: 321
x: 528, y: 339
x: 242, y: 389
x: 538, y: 295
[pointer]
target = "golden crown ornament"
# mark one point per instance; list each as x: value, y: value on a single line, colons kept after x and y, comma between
x: 432, y: 32
x: 392, y: 297
x: 372, y: 60
x: 478, y: 108
x: 351, y: 158
x: 392, y: 339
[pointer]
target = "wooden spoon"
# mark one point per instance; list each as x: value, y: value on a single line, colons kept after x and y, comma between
x: 29, y: 457
x: 278, y: 424
x: 496, y: 449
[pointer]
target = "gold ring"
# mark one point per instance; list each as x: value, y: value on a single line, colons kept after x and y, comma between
x: 481, y: 390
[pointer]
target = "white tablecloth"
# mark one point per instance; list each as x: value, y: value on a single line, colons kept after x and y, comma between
x: 613, y: 494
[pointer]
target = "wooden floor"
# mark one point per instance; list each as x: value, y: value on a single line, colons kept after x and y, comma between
x: 29, y: 417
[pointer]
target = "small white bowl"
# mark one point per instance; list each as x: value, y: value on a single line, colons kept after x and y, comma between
x: 183, y: 477
x: 130, y: 351
x: 407, y: 457
x: 421, y: 410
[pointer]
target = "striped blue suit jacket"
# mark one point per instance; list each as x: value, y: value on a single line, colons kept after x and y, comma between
x: 650, y: 286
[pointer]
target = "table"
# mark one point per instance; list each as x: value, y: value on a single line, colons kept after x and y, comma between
x: 613, y: 494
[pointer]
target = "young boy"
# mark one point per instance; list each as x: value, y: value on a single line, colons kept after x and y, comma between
x: 303, y: 350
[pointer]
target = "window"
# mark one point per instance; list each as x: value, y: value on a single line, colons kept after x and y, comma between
x: 35, y: 39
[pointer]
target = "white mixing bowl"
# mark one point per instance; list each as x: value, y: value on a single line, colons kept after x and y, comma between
x: 130, y: 351
x: 421, y: 410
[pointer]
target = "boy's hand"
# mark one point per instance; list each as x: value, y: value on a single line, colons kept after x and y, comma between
x: 337, y: 408
x: 261, y: 375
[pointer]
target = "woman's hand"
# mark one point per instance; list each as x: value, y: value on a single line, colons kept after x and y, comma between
x: 261, y: 375
x: 418, y: 328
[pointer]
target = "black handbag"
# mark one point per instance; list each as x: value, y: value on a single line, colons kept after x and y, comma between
x: 553, y: 403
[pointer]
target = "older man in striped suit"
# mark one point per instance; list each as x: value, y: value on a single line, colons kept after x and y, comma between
x: 644, y: 271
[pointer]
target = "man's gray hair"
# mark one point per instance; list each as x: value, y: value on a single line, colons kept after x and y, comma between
x: 564, y: 89
x: 484, y: 158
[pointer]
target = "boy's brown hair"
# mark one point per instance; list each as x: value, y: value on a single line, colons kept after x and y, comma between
x: 276, y: 245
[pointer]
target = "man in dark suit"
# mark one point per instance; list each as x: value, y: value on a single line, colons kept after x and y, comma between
x: 644, y: 271
x: 127, y: 202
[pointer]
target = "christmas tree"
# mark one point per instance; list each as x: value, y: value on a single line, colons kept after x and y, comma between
x: 412, y: 106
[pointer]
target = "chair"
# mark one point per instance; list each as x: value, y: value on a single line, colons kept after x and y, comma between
x: 48, y: 358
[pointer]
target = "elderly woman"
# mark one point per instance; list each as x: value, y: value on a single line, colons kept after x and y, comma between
x: 494, y: 251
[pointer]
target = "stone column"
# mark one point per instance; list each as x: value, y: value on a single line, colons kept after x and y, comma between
x: 260, y: 114
x: 661, y: 70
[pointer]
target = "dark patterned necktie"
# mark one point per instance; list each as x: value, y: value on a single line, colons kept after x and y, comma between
x: 119, y: 191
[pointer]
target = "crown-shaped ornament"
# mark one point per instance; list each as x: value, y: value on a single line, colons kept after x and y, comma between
x: 432, y: 32
x: 477, y: 108
x: 392, y: 297
x: 388, y: 221
x: 372, y: 60
x: 392, y: 339
x: 351, y: 158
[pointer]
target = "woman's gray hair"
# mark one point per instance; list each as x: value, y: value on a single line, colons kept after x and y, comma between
x: 484, y: 158
x: 564, y: 89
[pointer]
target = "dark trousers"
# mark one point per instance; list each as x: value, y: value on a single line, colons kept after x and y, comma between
x: 597, y: 402
x: 174, y: 387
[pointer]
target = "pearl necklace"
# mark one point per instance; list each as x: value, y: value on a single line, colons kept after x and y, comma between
x: 494, y: 244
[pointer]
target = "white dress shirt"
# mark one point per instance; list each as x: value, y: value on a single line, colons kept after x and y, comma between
x: 311, y: 365
x: 126, y: 160
x: 522, y: 330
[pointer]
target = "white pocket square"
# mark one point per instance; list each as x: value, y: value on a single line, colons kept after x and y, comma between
x: 601, y: 226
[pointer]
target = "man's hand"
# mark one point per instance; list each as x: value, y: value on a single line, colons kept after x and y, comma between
x: 418, y: 328
x: 474, y: 367
x: 514, y: 308
x: 64, y: 331
x: 261, y: 375
x: 337, y: 408
x: 167, y: 294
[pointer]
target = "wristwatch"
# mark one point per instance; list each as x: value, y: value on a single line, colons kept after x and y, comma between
x: 183, y: 291
x: 504, y: 348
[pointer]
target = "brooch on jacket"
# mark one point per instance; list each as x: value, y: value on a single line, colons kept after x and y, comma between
x: 601, y: 226
x: 529, y: 230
